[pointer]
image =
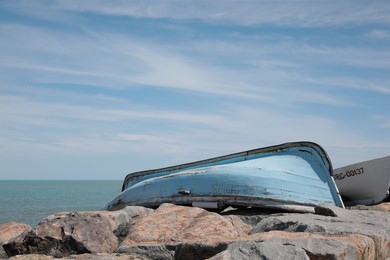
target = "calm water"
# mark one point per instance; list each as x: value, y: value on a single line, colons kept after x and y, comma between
x: 31, y: 201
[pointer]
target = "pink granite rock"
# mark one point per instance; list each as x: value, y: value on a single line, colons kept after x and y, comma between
x: 89, y: 232
x: 176, y: 224
x: 98, y: 256
x: 67, y: 233
x: 286, y: 245
x: 11, y: 230
x: 179, y: 232
x: 383, y: 206
x: 318, y: 246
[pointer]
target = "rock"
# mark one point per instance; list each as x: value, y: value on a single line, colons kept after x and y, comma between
x: 382, y: 207
x: 11, y: 230
x: 241, y: 228
x: 372, y: 224
x: 270, y: 224
x: 77, y: 233
x: 260, y: 250
x: 3, y: 254
x: 174, y: 251
x: 100, y: 256
x: 385, y: 207
x: 250, y: 216
x: 172, y: 224
x: 319, y: 246
x: 122, y: 220
x: 88, y: 232
x: 179, y: 232
x: 285, y: 245
x: 151, y: 251
x: 31, y: 257
x: 105, y: 256
x: 195, y: 251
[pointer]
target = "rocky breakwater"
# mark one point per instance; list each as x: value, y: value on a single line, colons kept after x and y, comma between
x: 178, y: 232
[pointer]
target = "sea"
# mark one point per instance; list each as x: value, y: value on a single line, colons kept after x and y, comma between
x: 33, y: 200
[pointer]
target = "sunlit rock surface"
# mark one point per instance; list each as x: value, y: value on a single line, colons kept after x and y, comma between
x: 179, y: 232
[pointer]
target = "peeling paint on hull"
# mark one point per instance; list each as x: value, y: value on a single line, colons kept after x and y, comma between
x: 294, y: 176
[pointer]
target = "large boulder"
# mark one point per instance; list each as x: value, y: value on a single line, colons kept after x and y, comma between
x: 179, y: 232
x: 259, y: 250
x: 76, y: 233
x: 371, y: 225
x: 172, y: 224
x: 98, y: 256
x: 286, y: 245
x: 11, y: 230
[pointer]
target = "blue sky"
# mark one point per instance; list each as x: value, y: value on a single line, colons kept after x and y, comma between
x: 98, y: 89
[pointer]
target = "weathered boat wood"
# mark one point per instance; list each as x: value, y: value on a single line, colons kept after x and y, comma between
x: 365, y: 183
x: 294, y: 176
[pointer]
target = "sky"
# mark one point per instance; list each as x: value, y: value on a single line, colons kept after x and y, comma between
x: 99, y: 89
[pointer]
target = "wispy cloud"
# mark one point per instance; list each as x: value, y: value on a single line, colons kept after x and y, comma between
x: 379, y: 34
x: 382, y: 120
x: 126, y: 62
x: 195, y: 79
x: 289, y: 13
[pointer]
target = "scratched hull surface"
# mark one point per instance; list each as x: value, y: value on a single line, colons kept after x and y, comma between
x: 366, y: 183
x: 293, y: 176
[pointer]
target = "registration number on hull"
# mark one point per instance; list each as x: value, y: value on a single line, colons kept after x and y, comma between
x: 350, y: 173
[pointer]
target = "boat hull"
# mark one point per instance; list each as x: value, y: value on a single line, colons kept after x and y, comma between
x: 365, y: 183
x: 294, y: 176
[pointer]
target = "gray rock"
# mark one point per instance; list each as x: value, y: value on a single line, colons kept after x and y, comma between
x: 100, y: 256
x: 177, y: 232
x: 253, y: 250
x: 106, y: 256
x: 327, y: 248
x: 150, y: 251
x: 270, y: 224
x: 66, y: 233
x: 31, y: 257
x: 173, y: 251
x: 3, y: 254
x: 196, y: 251
x: 123, y: 220
x: 33, y: 244
x: 288, y: 246
x: 371, y: 223
x: 250, y: 216
x: 78, y: 233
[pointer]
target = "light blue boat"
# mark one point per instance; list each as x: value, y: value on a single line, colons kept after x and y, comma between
x: 293, y: 176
